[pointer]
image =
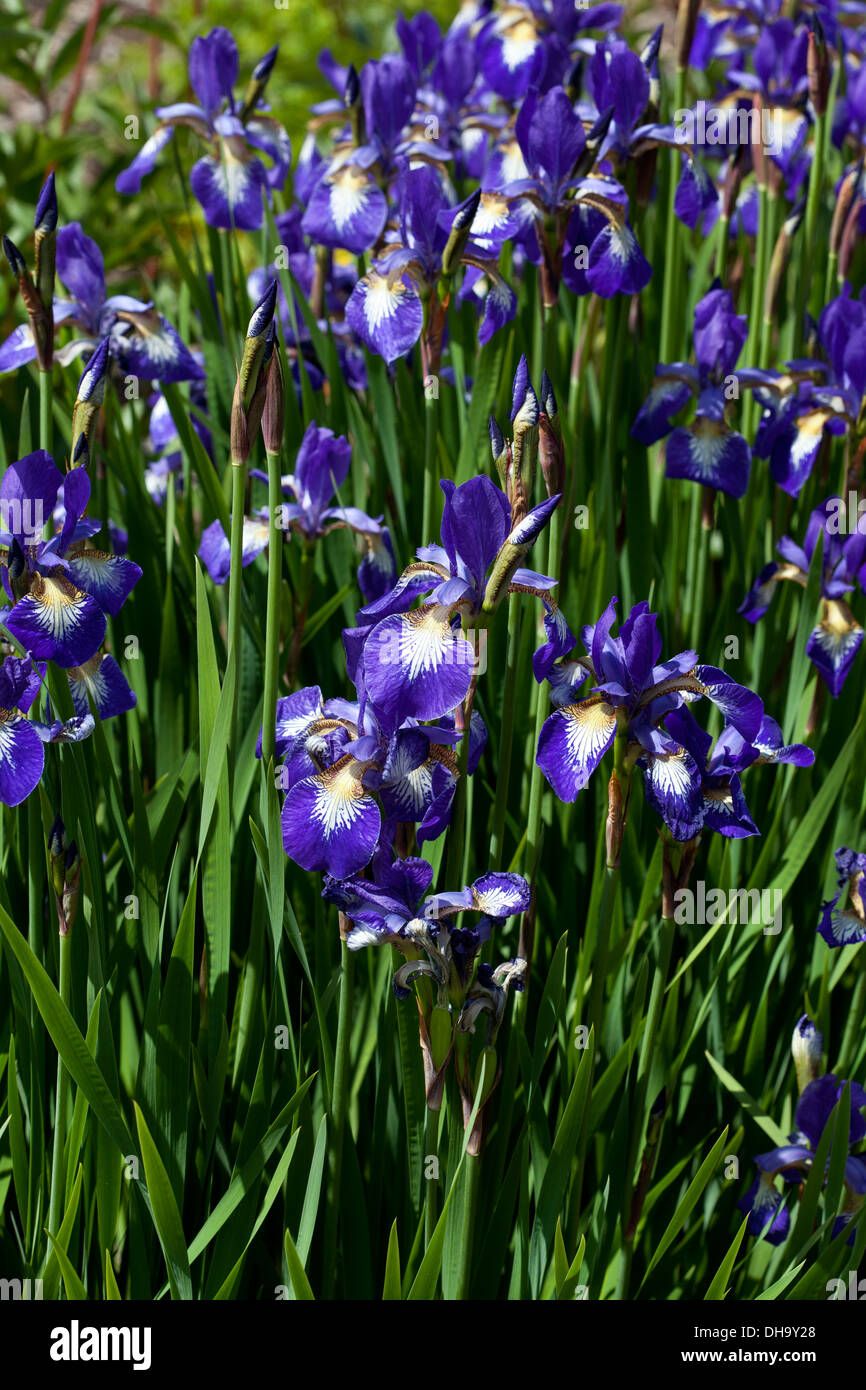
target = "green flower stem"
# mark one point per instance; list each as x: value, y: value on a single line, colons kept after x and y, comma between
x: 431, y: 433
x: 337, y: 1118
x: 506, y: 735
x: 46, y: 395
x: 854, y: 1025
x: 810, y: 225
x: 472, y: 1173
x: 536, y: 783
x: 671, y: 285
x: 239, y: 474
x: 431, y: 1150
x: 272, y: 628
x: 57, y: 1199
x: 757, y: 302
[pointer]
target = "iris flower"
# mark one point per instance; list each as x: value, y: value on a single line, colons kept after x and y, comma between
x: 632, y: 694
x: 417, y: 662
x: 768, y: 1216
x: 836, y: 640
x: 846, y: 926
x: 60, y: 589
x: 707, y: 451
x: 320, y: 470
x: 230, y: 180
x: 142, y: 341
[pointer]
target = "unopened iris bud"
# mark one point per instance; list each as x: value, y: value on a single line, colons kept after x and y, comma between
x: 258, y: 82
x: 354, y: 105
x: 687, y: 20
x: 461, y: 228
x: 88, y: 399
x: 807, y: 1046
x: 19, y: 575
x: 551, y: 453
x: 848, y: 190
x: 57, y: 838
x: 650, y: 51
x: 818, y: 68
x: 274, y: 410
x: 17, y: 263
x: 45, y: 242
x: 497, y: 439
x: 254, y: 344
x: 524, y: 422
x: 68, y: 906
x: 595, y: 138
x: 781, y: 256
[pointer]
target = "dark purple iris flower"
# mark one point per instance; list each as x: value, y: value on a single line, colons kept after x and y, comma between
x: 708, y: 451
x: 834, y: 643
x: 60, y: 589
x: 229, y: 182
x: 768, y: 1215
x: 419, y: 663
x: 846, y: 926
x: 811, y: 398
x: 386, y: 307
x: 634, y: 695
x: 321, y: 468
x: 142, y: 341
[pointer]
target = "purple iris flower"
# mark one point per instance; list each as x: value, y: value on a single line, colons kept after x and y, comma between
x: 60, y: 590
x: 142, y: 341
x: 836, y: 640
x: 529, y: 44
x: 810, y: 399
x: 386, y: 307
x: 708, y: 451
x: 350, y: 778
x: 768, y: 1215
x: 417, y: 662
x: 229, y: 181
x: 632, y: 693
x: 22, y: 755
x: 846, y: 926
x: 698, y: 785
x: 321, y: 468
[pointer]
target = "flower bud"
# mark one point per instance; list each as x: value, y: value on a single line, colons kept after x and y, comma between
x: 274, y: 411
x: 258, y: 82
x: 459, y: 234
x: 687, y: 19
x: 551, y: 452
x: 807, y: 1046
x: 89, y: 398
x: 818, y: 67
x: 45, y: 243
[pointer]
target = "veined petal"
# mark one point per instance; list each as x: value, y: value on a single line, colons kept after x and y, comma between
x: 840, y: 926
x: 416, y: 666
x: 347, y: 209
x: 617, y: 265
x: 726, y: 812
x: 22, y: 758
x: 833, y: 645
x: 230, y: 192
x: 18, y: 348
x: 417, y: 579
x: 672, y: 786
x: 330, y: 821
x: 57, y: 621
x: 102, y: 680
x: 709, y: 452
x: 107, y: 578
x: 386, y: 315
x: 501, y: 895
x: 740, y: 706
x: 295, y: 713
x: 573, y: 742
